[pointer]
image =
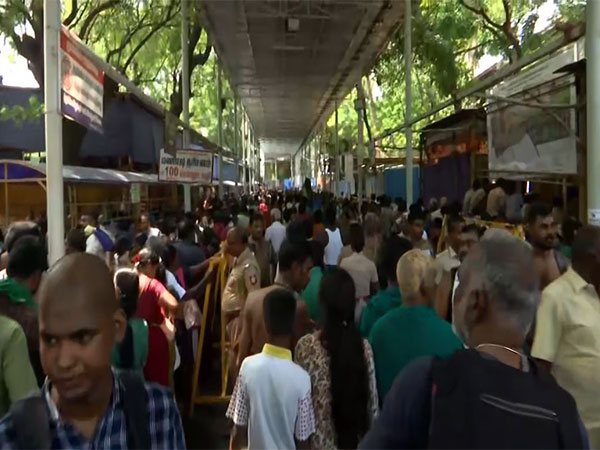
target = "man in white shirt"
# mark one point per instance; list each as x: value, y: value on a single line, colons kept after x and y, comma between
x: 147, y: 228
x: 467, y: 200
x: 448, y: 260
x: 567, y: 334
x: 361, y: 269
x: 496, y: 203
x: 99, y: 241
x: 275, y: 233
x: 271, y: 405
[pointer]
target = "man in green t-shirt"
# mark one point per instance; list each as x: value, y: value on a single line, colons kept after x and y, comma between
x: 17, y: 379
x: 389, y: 297
x: 414, y: 329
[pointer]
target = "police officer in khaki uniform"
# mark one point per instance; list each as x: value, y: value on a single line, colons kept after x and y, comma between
x: 244, y: 276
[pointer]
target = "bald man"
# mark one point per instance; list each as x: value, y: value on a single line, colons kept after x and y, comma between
x: 83, y: 403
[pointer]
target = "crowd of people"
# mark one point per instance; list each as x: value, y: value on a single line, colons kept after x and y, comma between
x: 353, y: 323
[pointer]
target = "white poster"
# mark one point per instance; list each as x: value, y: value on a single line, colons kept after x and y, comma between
x: 594, y: 217
x: 526, y: 139
x: 186, y: 167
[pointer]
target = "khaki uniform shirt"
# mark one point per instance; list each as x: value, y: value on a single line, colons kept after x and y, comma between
x: 265, y: 255
x: 567, y: 334
x: 253, y: 334
x: 243, y: 279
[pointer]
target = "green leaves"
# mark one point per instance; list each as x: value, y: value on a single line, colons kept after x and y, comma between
x: 21, y: 114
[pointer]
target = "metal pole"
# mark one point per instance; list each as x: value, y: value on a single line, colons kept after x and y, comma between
x: 336, y: 175
x: 235, y: 140
x: 360, y: 140
x: 6, y: 183
x: 243, y: 136
x: 185, y: 93
x: 53, y: 123
x: 408, y: 99
x: 220, y: 118
x: 593, y: 110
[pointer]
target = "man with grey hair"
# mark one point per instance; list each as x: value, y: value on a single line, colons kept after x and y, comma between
x: 567, y: 336
x: 275, y: 233
x: 490, y: 394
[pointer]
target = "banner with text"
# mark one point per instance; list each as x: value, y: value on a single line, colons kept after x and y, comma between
x: 186, y: 167
x: 82, y: 84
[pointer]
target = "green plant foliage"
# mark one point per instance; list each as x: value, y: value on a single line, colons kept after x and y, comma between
x: 449, y: 37
x: 22, y: 114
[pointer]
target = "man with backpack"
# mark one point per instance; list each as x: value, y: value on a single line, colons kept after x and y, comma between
x: 490, y: 395
x: 83, y: 403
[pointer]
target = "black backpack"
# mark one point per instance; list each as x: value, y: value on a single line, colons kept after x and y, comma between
x: 32, y: 424
x: 479, y: 402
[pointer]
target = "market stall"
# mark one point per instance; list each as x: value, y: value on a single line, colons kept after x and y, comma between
x: 87, y: 190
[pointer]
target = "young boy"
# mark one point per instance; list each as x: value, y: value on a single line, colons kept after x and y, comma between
x: 271, y: 405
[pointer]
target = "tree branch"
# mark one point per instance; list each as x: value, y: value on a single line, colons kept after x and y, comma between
x: 157, y: 27
x: 470, y: 49
x: 92, y: 16
x: 72, y: 15
x: 80, y: 14
x: 507, y: 12
x: 126, y: 40
x: 480, y: 12
x: 200, y: 59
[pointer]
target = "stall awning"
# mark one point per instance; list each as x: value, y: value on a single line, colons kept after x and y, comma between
x: 22, y: 171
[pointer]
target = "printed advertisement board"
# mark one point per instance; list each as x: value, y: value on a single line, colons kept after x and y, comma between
x: 186, y: 167
x: 82, y: 85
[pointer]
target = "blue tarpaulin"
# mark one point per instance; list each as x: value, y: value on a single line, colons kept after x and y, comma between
x: 395, y: 183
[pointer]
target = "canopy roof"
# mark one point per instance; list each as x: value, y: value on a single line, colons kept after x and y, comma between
x: 26, y: 172
x: 291, y: 60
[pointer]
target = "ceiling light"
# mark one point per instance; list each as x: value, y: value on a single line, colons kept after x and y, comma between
x: 289, y: 48
x: 292, y: 25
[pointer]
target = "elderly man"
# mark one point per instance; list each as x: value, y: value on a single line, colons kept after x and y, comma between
x: 275, y: 234
x: 567, y: 336
x: 413, y: 329
x: 490, y: 395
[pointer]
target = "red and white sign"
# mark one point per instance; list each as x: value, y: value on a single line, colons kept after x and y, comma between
x: 186, y: 167
x: 82, y: 84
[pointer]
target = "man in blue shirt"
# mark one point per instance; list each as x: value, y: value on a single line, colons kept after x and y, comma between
x: 83, y: 403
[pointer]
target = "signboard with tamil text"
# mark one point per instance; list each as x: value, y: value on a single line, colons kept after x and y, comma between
x: 82, y: 84
x: 186, y: 167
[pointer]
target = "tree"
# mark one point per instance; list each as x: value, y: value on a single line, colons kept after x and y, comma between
x: 140, y: 39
